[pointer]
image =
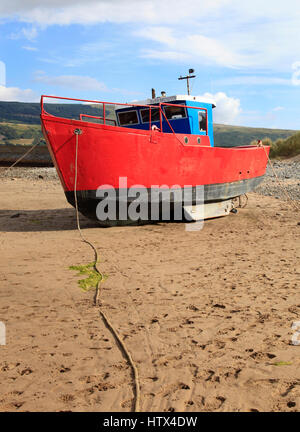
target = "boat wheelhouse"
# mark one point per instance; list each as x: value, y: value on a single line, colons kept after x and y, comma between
x: 182, y: 114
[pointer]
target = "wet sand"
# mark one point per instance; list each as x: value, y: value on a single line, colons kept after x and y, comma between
x: 206, y: 315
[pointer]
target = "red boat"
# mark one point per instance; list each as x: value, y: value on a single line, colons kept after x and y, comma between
x: 161, y: 143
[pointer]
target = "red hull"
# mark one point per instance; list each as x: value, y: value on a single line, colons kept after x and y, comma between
x: 148, y: 158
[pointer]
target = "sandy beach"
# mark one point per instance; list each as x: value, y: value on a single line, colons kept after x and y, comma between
x: 207, y: 316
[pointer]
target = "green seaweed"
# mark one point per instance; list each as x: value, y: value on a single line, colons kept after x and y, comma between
x: 93, y: 277
x: 282, y: 363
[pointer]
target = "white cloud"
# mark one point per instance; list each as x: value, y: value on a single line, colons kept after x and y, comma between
x: 159, y: 34
x: 29, y: 33
x: 146, y: 10
x: 15, y: 94
x: 257, y: 35
x: 95, y: 11
x: 165, y: 55
x: 234, y: 45
x: 272, y: 119
x: 296, y: 73
x: 228, y: 109
x: 81, y: 83
x: 212, y: 49
x: 30, y: 48
x: 253, y: 34
x: 193, y: 47
x: 252, y: 80
x: 2, y: 73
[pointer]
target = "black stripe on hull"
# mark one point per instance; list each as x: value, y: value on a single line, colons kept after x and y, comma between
x: 88, y: 201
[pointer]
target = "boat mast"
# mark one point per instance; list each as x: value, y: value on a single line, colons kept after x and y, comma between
x: 191, y: 71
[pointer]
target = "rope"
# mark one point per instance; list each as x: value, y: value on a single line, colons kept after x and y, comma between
x: 22, y: 157
x: 107, y: 322
x: 97, y: 292
x: 240, y: 201
x: 282, y: 187
x: 129, y: 359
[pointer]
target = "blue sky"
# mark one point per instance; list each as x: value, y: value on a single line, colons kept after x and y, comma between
x: 246, y: 55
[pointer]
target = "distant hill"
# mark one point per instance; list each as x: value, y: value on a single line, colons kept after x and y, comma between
x: 29, y: 113
x: 228, y: 136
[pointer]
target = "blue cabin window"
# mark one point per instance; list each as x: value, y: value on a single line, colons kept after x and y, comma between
x: 128, y: 118
x: 146, y: 116
x: 202, y: 121
x: 173, y: 112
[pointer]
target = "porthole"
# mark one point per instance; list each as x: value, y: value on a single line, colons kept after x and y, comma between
x: 199, y: 140
x: 186, y: 140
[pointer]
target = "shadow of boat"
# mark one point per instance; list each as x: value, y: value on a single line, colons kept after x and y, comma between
x: 63, y: 219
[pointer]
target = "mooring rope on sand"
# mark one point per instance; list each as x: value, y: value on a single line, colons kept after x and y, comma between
x: 107, y: 322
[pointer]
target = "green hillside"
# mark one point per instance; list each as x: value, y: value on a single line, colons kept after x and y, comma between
x: 29, y: 113
x: 19, y: 134
x: 228, y: 136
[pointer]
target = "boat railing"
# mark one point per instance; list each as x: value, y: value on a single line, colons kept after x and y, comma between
x: 97, y: 117
x: 106, y: 120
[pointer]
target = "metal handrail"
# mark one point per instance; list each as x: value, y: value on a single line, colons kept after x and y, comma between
x: 97, y: 117
x: 159, y: 106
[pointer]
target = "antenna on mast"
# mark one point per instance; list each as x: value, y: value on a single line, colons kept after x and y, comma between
x: 191, y: 71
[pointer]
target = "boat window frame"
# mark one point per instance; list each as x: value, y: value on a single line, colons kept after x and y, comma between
x: 172, y: 106
x: 127, y: 111
x: 203, y: 112
x: 148, y: 109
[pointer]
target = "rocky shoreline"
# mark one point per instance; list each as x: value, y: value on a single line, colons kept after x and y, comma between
x: 30, y: 173
x: 288, y: 173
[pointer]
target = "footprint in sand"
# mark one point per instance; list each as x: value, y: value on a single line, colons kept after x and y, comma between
x: 67, y: 398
